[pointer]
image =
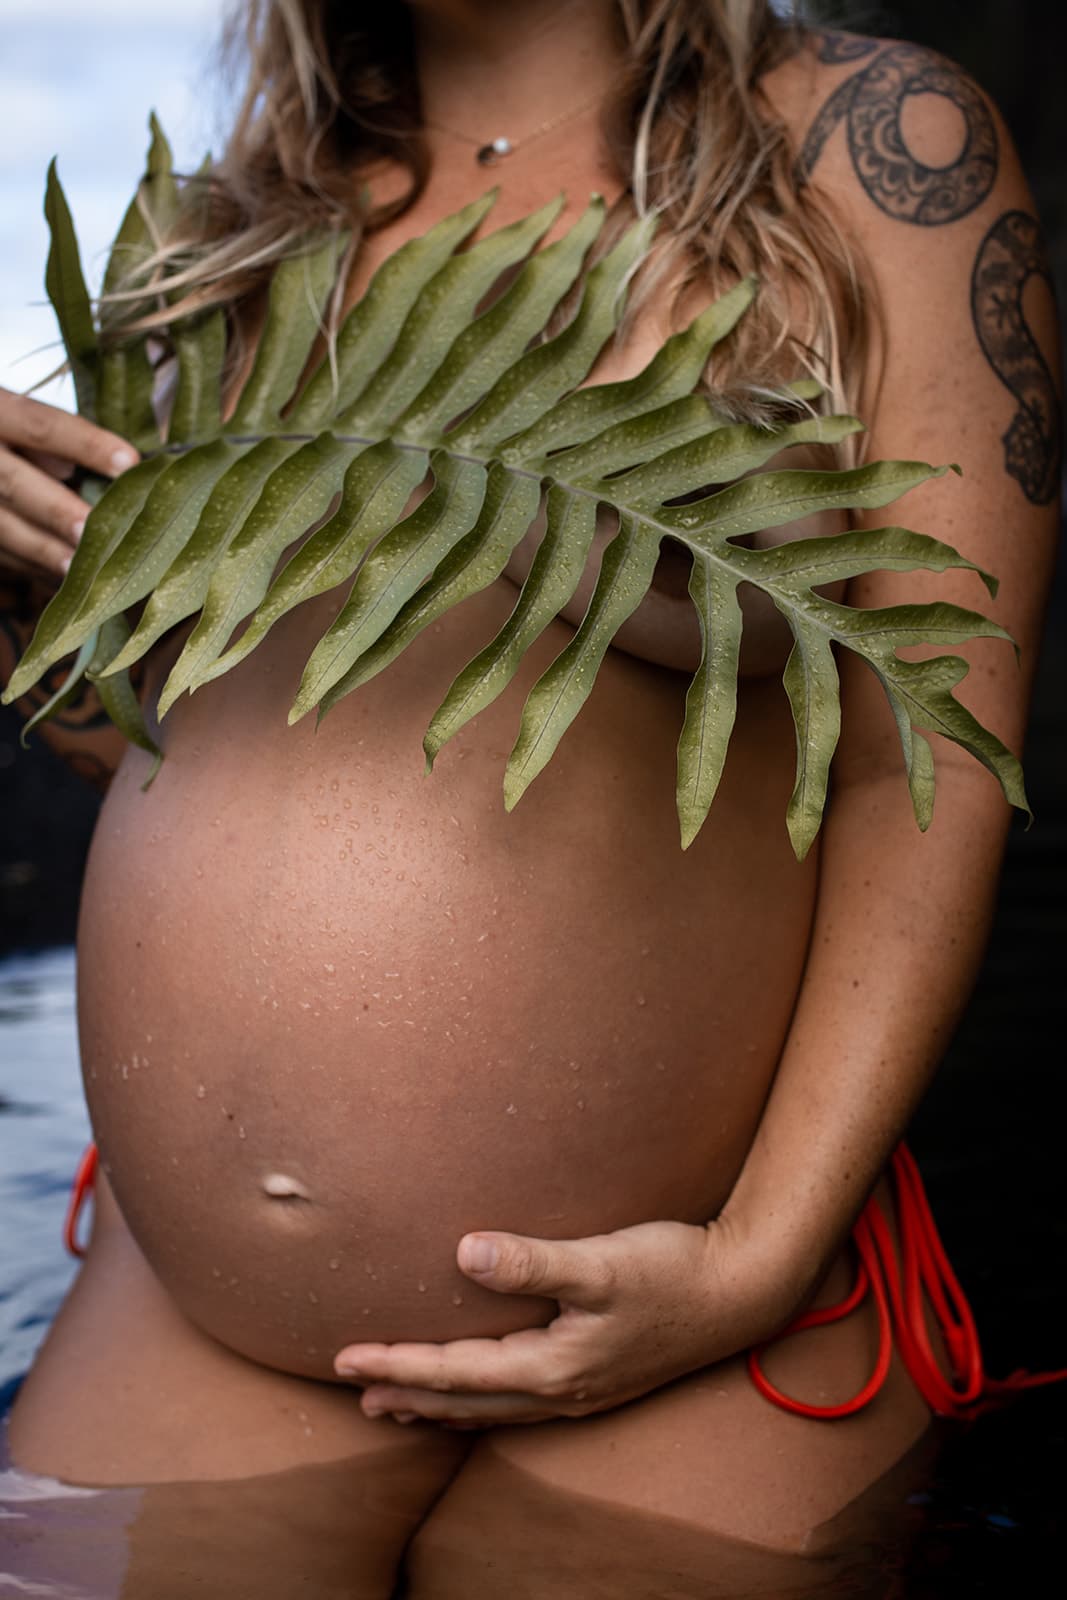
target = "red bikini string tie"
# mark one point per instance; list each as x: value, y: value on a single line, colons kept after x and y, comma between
x: 925, y: 1273
x: 900, y: 1296
x: 82, y: 1187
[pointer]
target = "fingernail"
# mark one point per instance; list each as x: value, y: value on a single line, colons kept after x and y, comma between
x: 122, y: 459
x: 404, y: 1416
x: 78, y: 529
x: 480, y: 1255
x: 64, y: 563
x: 344, y: 1370
x: 373, y: 1409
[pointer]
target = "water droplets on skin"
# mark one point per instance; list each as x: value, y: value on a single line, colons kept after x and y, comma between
x: 421, y: 1287
x: 511, y: 1110
x: 457, y: 1299
x: 201, y: 1091
x: 334, y: 1264
x: 241, y: 1134
x: 313, y: 1297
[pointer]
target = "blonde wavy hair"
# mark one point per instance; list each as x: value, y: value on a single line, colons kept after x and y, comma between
x: 330, y: 89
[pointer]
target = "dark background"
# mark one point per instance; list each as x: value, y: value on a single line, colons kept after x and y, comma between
x: 989, y: 1134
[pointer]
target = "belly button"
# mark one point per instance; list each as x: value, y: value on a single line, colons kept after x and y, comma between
x: 280, y: 1187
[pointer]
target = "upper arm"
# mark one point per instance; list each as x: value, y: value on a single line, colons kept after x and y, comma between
x: 922, y: 171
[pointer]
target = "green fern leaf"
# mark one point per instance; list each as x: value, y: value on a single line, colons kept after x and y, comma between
x: 64, y: 284
x: 711, y: 703
x: 559, y: 694
x: 551, y: 581
x: 424, y: 387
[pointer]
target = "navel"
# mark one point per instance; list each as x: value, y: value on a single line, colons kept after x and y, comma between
x: 279, y: 1186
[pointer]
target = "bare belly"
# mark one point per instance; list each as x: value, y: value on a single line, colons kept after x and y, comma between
x: 336, y: 1013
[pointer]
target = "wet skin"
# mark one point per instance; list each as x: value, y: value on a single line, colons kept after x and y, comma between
x: 336, y: 1013
x: 411, y: 1015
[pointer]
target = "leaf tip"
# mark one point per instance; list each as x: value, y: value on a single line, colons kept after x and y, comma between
x: 801, y: 834
x: 167, y: 697
x: 513, y: 789
x: 157, y: 762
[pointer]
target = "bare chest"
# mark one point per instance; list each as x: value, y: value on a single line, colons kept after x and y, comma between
x: 664, y: 629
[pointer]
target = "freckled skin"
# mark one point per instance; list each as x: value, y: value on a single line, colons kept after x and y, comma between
x: 427, y: 1014
x: 431, y: 1015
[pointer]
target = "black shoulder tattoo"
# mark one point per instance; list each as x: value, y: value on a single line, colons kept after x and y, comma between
x: 836, y: 47
x: 870, y: 104
x: 1011, y: 252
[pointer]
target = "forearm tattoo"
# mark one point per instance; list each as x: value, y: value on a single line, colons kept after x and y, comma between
x: 1011, y: 253
x: 870, y: 103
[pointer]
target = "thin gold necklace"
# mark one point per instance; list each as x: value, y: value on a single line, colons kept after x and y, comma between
x: 487, y: 154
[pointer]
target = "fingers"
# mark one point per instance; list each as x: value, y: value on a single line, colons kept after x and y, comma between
x: 472, y: 1410
x: 55, y: 466
x: 575, y: 1270
x: 32, y: 551
x: 41, y: 520
x: 36, y: 497
x: 28, y: 424
x: 533, y: 1360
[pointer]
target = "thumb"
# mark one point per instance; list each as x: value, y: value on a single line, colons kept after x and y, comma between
x: 512, y: 1264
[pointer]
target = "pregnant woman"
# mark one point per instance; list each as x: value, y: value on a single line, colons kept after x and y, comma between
x: 413, y: 1111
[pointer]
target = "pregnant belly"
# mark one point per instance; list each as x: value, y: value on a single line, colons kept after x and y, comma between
x: 335, y: 1014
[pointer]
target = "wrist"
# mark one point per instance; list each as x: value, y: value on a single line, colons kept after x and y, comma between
x: 769, y: 1271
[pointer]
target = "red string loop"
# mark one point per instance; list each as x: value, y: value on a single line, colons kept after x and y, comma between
x: 900, y: 1295
x: 81, y: 1188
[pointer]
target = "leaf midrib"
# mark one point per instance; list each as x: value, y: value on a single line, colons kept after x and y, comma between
x: 643, y: 516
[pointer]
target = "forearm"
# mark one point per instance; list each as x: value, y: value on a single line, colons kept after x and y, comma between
x: 900, y: 925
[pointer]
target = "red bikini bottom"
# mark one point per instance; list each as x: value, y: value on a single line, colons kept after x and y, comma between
x: 901, y: 1293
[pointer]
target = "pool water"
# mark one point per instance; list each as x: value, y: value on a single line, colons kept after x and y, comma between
x: 987, y: 1520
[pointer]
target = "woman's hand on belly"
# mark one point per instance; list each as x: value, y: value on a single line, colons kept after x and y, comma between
x: 638, y: 1308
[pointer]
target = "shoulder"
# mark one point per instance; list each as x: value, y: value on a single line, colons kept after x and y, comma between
x: 921, y: 173
x: 898, y: 137
x: 892, y: 123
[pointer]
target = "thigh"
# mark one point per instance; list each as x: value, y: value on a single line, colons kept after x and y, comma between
x: 703, y: 1488
x: 248, y: 1481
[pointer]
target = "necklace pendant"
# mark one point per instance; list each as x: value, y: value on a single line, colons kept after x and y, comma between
x: 489, y: 154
